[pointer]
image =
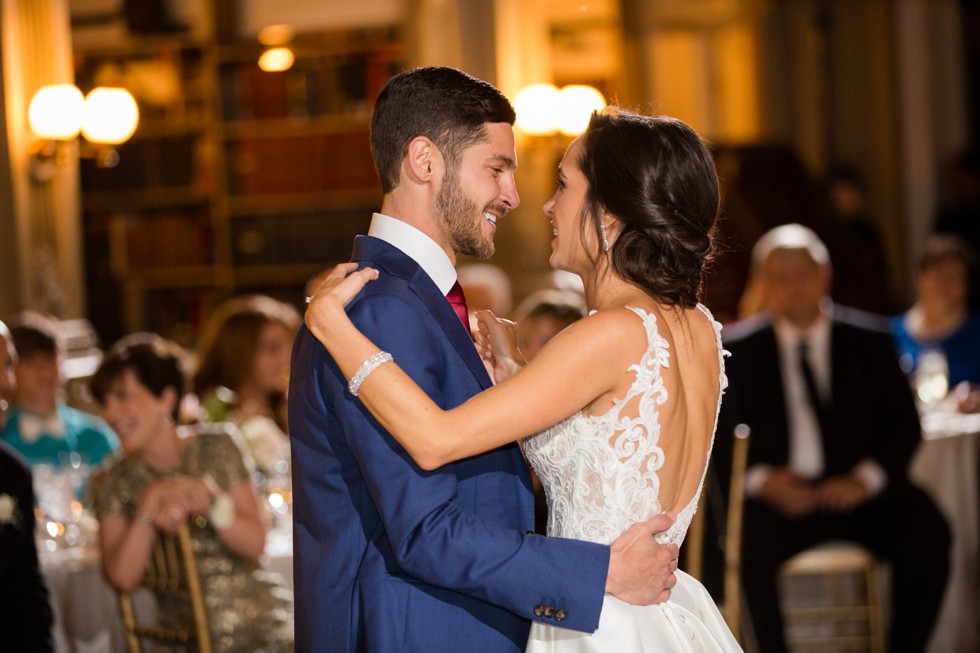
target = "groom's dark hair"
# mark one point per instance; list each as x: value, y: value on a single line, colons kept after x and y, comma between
x: 444, y: 104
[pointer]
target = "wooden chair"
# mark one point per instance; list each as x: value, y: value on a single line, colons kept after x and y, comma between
x: 172, y: 568
x: 732, y: 603
x: 841, y: 610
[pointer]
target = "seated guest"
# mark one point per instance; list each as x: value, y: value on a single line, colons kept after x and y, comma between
x: 40, y: 426
x: 169, y: 474
x: 941, y: 318
x: 543, y: 314
x: 834, y: 427
x: 25, y: 614
x: 243, y: 372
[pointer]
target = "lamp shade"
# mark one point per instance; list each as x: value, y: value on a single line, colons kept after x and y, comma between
x: 535, y: 107
x: 574, y: 108
x: 55, y: 112
x: 110, y: 115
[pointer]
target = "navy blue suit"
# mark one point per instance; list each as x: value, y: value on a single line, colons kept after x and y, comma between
x: 389, y: 557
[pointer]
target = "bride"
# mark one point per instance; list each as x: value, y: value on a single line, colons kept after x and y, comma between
x: 619, y: 410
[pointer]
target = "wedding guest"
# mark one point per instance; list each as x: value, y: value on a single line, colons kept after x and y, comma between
x: 543, y: 314
x: 941, y: 318
x: 40, y: 426
x: 834, y: 428
x: 168, y: 475
x: 243, y: 372
x: 25, y: 614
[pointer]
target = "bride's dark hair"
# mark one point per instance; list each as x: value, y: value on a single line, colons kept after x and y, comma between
x: 657, y: 176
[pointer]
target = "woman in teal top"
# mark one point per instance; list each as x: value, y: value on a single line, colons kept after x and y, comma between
x: 40, y: 426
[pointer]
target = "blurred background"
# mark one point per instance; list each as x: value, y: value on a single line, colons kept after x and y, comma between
x: 243, y: 180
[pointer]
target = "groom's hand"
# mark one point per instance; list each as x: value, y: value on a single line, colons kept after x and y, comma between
x: 641, y: 571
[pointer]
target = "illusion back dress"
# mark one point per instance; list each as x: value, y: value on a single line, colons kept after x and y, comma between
x: 602, y: 474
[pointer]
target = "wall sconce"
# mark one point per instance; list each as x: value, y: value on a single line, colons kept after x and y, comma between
x: 543, y: 109
x: 277, y: 56
x: 58, y: 113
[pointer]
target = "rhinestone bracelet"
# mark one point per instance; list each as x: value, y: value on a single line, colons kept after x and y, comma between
x: 368, y: 366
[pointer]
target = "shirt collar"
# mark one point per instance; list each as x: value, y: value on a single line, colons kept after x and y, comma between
x: 417, y: 246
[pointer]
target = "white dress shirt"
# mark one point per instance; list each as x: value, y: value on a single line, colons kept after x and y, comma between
x: 417, y: 246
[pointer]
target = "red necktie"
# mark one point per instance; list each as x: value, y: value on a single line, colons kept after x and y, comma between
x: 458, y: 300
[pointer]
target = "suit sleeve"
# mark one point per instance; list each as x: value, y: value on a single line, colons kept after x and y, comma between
x: 900, y: 430
x: 23, y: 593
x: 432, y: 539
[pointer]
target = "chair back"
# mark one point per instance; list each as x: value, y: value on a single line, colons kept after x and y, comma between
x: 171, y: 568
x: 733, y: 530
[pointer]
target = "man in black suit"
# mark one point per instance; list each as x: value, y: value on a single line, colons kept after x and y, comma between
x: 25, y: 614
x: 834, y: 427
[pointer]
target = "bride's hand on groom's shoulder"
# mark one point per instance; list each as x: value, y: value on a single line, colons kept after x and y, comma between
x: 496, y: 340
x: 336, y: 290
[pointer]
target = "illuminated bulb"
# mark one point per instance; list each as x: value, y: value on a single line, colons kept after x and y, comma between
x: 535, y: 106
x: 55, y: 112
x: 110, y: 115
x: 575, y: 106
x: 276, y: 60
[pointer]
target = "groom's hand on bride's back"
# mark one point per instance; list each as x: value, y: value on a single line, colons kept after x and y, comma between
x: 641, y: 570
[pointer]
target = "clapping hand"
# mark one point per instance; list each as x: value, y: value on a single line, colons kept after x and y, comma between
x: 496, y: 340
x: 170, y: 502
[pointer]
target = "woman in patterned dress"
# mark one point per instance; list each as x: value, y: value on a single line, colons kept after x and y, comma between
x: 168, y: 475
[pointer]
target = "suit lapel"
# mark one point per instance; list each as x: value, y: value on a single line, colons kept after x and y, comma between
x: 395, y: 262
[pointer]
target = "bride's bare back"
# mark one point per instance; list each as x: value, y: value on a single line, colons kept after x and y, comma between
x: 642, y: 446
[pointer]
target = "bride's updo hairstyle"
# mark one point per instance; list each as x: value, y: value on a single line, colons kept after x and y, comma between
x: 657, y: 176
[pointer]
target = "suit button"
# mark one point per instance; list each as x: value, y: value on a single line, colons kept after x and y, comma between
x: 549, y: 611
x: 560, y: 615
x: 529, y: 532
x: 539, y: 611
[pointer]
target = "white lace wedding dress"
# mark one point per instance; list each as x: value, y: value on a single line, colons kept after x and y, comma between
x: 600, y: 474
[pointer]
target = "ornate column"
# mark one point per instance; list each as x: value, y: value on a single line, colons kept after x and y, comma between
x: 41, y: 243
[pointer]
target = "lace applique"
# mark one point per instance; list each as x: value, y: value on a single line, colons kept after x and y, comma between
x: 600, y: 471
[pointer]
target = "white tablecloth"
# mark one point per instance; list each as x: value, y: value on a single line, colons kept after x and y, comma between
x: 946, y: 467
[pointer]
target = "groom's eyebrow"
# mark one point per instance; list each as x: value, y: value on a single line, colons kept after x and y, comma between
x: 503, y: 160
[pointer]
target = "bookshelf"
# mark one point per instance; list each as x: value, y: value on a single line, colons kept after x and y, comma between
x: 237, y: 180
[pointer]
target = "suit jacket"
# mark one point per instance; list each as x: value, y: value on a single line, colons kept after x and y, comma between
x: 389, y: 557
x: 25, y: 614
x: 873, y: 412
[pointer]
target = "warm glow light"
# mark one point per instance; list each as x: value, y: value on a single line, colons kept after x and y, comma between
x: 575, y: 106
x: 535, y: 106
x: 275, y: 35
x: 55, y: 112
x: 276, y: 60
x: 110, y: 115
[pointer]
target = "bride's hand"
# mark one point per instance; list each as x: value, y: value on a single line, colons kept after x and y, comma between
x: 496, y: 340
x: 336, y: 291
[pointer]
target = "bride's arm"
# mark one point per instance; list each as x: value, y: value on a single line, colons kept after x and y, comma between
x: 580, y: 364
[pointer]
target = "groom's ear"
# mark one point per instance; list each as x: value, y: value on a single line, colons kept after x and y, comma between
x: 423, y: 160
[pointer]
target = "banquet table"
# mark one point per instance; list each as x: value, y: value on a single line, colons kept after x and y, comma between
x: 86, y: 607
x: 946, y: 467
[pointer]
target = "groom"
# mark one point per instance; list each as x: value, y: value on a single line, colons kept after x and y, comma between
x: 389, y: 557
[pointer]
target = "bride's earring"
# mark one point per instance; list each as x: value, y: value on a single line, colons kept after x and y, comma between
x: 605, y: 241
